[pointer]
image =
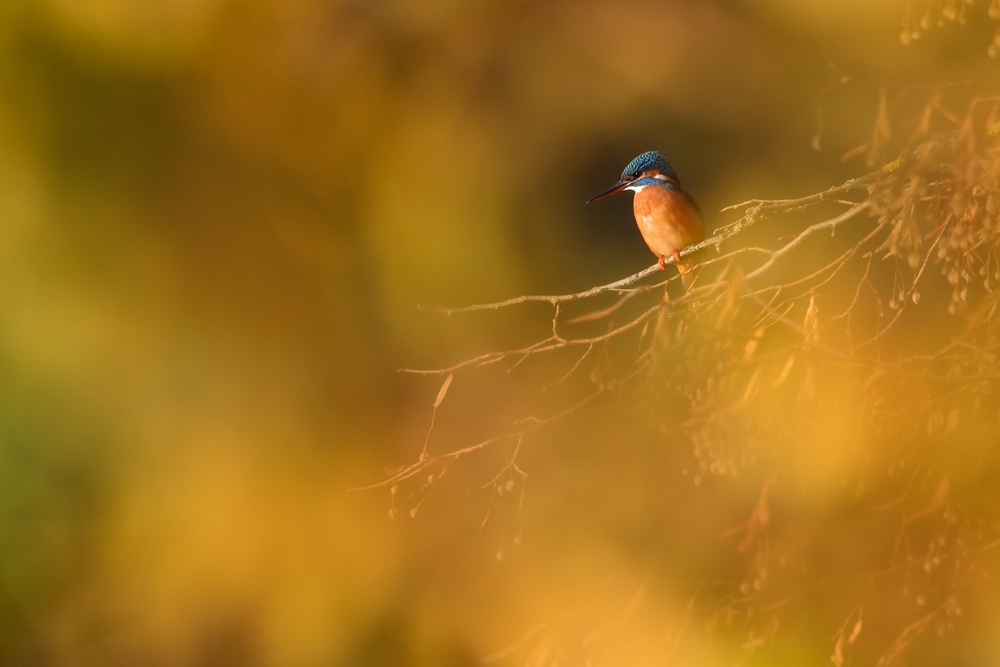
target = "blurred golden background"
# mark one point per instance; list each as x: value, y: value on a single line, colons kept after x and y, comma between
x: 218, y: 219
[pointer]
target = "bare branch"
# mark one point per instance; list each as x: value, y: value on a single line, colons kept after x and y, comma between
x: 546, y: 345
x: 429, y: 462
x: 830, y: 224
x: 860, y: 183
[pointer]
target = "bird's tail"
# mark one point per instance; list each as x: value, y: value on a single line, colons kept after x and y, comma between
x: 689, y: 271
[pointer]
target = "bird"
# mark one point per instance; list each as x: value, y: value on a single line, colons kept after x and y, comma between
x: 667, y: 215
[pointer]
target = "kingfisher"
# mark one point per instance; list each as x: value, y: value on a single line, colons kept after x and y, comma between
x: 668, y: 217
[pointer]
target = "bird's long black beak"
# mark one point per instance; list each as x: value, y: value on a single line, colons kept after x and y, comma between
x: 617, y: 187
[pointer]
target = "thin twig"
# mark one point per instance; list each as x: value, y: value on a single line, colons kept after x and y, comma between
x: 830, y: 224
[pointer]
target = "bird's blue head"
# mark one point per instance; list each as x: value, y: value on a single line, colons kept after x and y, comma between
x: 650, y: 168
x: 648, y: 161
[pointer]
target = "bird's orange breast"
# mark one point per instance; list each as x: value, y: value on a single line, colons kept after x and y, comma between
x: 667, y: 219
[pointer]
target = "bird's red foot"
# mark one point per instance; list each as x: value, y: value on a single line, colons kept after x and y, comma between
x: 661, y: 261
x: 677, y: 255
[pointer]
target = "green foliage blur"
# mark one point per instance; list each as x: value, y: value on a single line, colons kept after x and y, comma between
x: 218, y: 219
